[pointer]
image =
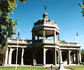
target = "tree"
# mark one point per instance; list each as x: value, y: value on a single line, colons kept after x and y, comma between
x: 80, y: 4
x: 6, y: 23
x: 82, y: 55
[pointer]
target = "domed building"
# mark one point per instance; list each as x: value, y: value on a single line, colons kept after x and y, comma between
x: 44, y: 49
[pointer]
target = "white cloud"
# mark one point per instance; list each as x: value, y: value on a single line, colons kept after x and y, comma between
x: 78, y: 37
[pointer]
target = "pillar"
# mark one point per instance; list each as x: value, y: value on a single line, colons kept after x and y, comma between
x: 61, y: 57
x: 37, y: 37
x: 6, y: 56
x: 69, y: 56
x: 80, y: 57
x: 54, y: 36
x: 34, y: 59
x: 58, y: 37
x: 22, y: 56
x: 58, y: 57
x: 55, y: 57
x: 74, y: 58
x: 43, y: 36
x: 44, y: 56
x: 33, y: 37
x: 10, y: 56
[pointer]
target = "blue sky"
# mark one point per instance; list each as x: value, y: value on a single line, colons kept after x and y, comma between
x: 67, y: 14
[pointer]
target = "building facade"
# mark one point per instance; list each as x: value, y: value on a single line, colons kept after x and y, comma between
x: 44, y: 49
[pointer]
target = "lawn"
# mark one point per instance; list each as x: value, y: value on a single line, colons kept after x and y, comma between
x: 75, y: 67
x: 22, y: 68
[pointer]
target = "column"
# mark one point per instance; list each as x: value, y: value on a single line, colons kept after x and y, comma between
x: 74, y: 59
x: 34, y: 59
x: 37, y: 37
x: 54, y: 36
x: 55, y: 57
x: 33, y: 37
x: 10, y: 56
x: 69, y: 56
x: 22, y: 56
x: 44, y: 56
x: 6, y: 56
x: 61, y: 57
x: 78, y: 56
x: 58, y: 37
x: 58, y: 57
x: 43, y: 36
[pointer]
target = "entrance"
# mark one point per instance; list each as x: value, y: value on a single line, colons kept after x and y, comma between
x: 49, y: 57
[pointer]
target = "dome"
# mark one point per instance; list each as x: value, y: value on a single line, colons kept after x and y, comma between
x: 45, y: 15
x: 44, y: 20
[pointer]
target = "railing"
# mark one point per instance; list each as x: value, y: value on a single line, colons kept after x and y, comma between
x: 68, y: 43
x: 45, y: 41
x: 49, y: 41
x: 20, y: 41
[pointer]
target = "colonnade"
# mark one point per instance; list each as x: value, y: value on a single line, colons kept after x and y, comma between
x: 56, y: 58
x: 44, y: 35
x: 8, y: 56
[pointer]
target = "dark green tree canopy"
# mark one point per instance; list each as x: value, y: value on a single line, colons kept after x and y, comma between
x: 80, y: 4
x: 6, y: 23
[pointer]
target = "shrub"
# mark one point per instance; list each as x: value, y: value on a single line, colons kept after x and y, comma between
x: 82, y: 63
x: 0, y: 62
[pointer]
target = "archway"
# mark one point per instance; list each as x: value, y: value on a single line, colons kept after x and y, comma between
x: 64, y: 56
x: 39, y: 56
x: 27, y: 57
x: 14, y: 57
x: 72, y: 57
x: 49, y: 57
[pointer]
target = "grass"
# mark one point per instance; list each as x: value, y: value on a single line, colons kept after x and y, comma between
x: 75, y: 67
x: 22, y: 68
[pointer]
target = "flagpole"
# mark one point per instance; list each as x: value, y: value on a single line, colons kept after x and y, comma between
x: 17, y: 52
x: 17, y: 48
x: 45, y: 7
x: 77, y: 36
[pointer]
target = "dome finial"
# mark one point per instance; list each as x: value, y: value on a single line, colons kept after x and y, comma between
x: 45, y: 15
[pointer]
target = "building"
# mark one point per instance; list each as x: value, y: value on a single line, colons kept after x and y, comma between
x: 44, y: 49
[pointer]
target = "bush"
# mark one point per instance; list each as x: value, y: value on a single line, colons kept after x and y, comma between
x: 0, y: 62
x: 82, y: 63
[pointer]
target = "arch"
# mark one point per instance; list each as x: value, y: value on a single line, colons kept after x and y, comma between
x: 27, y: 57
x: 49, y: 57
x: 72, y: 57
x: 39, y: 56
x: 64, y: 56
x: 14, y: 57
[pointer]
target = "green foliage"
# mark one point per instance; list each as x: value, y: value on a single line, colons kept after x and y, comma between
x: 63, y: 41
x: 82, y: 55
x: 82, y: 63
x: 80, y: 4
x: 0, y: 62
x: 7, y: 24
